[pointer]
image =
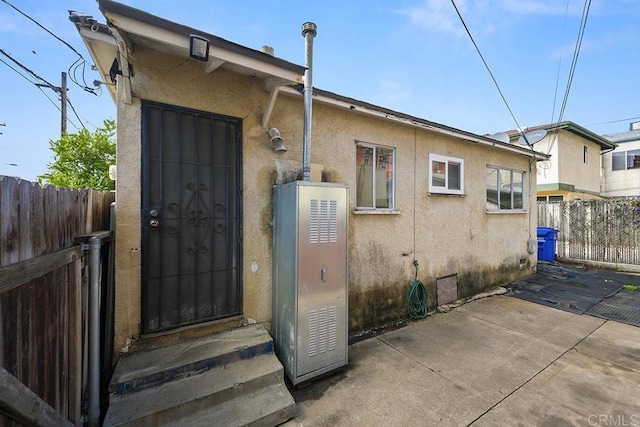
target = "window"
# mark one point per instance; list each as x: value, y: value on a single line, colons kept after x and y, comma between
x: 446, y: 175
x: 375, y: 176
x: 585, y: 154
x: 622, y: 160
x: 559, y: 198
x: 505, y: 189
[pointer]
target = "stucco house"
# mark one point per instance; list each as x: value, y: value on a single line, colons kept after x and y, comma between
x: 196, y: 167
x: 621, y: 167
x: 573, y: 171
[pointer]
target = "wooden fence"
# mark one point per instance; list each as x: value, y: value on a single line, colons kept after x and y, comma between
x: 43, y: 297
x: 605, y: 230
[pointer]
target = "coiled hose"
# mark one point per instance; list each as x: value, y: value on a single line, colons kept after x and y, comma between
x: 417, y: 300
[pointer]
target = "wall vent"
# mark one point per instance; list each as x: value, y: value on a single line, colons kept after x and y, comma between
x: 447, y: 289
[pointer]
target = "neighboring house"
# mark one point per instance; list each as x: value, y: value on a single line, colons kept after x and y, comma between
x: 195, y: 171
x: 573, y: 171
x: 621, y: 168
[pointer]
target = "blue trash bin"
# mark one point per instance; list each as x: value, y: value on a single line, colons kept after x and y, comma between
x: 547, y: 237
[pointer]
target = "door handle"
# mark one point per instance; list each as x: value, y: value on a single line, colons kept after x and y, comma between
x: 323, y: 274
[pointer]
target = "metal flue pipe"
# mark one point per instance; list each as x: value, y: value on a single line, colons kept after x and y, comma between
x: 309, y: 31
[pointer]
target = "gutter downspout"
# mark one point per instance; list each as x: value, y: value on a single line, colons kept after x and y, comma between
x: 309, y: 31
x: 94, y: 331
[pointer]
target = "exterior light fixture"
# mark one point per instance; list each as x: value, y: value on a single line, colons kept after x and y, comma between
x: 198, y: 47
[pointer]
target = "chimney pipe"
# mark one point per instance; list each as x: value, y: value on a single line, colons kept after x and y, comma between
x: 309, y: 31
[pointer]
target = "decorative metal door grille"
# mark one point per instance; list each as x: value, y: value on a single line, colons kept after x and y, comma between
x: 191, y: 216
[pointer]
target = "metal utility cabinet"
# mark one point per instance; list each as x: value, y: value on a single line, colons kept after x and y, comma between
x: 310, y: 278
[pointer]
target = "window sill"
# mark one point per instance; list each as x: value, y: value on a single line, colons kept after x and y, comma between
x: 446, y: 194
x: 375, y: 212
x: 507, y: 212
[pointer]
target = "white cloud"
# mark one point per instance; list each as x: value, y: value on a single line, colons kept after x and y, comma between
x: 437, y: 16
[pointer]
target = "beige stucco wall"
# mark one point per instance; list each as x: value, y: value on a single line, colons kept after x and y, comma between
x: 548, y: 169
x: 445, y: 234
x: 566, y: 165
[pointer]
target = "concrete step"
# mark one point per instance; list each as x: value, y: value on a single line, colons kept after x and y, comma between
x: 203, y: 392
x: 151, y: 368
x: 269, y: 406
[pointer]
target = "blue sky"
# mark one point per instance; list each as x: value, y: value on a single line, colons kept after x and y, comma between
x: 409, y: 55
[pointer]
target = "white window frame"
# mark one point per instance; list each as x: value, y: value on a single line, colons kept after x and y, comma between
x: 511, y: 192
x: 446, y: 160
x: 392, y: 199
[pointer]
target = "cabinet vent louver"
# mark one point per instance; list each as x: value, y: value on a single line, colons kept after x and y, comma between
x: 323, y: 221
x: 322, y: 330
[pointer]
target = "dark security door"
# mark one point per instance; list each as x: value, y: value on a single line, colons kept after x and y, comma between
x: 191, y: 217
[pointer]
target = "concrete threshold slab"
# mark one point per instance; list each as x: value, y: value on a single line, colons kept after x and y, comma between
x: 152, y: 367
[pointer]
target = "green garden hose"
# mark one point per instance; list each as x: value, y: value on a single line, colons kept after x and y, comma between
x: 417, y: 300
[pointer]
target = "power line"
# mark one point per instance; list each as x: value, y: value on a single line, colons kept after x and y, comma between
x: 17, y: 72
x: 488, y: 69
x: 41, y: 26
x: 614, y: 121
x: 76, y: 114
x: 555, y: 93
x: 46, y: 84
x: 32, y: 82
x: 80, y: 59
x: 15, y: 61
x: 51, y: 100
x: 576, y: 53
x: 572, y: 68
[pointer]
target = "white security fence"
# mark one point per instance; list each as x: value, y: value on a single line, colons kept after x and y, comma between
x: 595, y: 230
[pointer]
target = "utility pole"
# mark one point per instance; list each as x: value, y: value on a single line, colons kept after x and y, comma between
x: 63, y: 100
x: 62, y: 90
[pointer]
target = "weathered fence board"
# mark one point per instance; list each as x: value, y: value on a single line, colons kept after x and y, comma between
x: 35, y: 220
x: 24, y: 405
x: 22, y: 272
x: 43, y: 292
x: 605, y: 230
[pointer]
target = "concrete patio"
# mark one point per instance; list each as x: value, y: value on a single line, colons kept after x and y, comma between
x: 498, y: 361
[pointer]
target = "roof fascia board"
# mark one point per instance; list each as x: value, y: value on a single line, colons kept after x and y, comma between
x: 339, y: 103
x: 89, y: 34
x: 93, y: 39
x: 576, y: 129
x: 180, y: 42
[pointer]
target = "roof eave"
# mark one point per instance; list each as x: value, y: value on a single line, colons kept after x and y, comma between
x: 356, y: 106
x: 103, y: 48
x: 174, y: 38
x: 605, y: 144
